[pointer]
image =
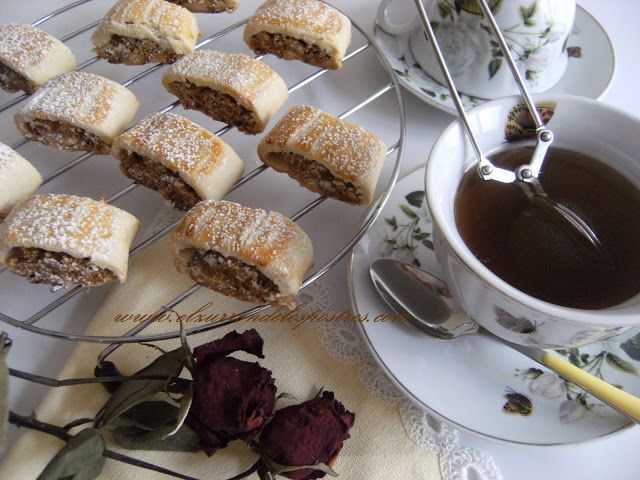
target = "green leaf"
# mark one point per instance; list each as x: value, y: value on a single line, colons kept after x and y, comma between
x: 416, y: 262
x: 80, y: 459
x: 431, y: 93
x: 392, y: 222
x: 444, y: 10
x: 494, y: 66
x: 574, y: 357
x: 130, y: 394
x: 4, y: 389
x: 428, y: 244
x: 473, y: 6
x: 528, y: 12
x: 415, y: 198
x: 632, y: 347
x: 408, y: 212
x: 620, y: 364
x: 133, y: 438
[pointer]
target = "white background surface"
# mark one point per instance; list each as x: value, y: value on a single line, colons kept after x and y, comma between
x: 613, y: 458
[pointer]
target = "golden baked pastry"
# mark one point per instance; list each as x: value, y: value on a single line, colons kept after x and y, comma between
x: 18, y: 179
x: 242, y: 252
x: 135, y: 32
x: 327, y: 155
x: 176, y: 157
x: 307, y: 30
x: 208, y: 6
x: 29, y: 57
x: 229, y: 87
x: 64, y: 240
x: 77, y: 111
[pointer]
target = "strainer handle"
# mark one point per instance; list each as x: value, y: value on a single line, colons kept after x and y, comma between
x: 528, y: 172
x: 486, y: 169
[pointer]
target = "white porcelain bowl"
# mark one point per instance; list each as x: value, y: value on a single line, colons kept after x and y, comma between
x: 605, y: 133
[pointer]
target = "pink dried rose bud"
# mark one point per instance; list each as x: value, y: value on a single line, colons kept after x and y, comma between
x: 232, y: 399
x: 307, y: 434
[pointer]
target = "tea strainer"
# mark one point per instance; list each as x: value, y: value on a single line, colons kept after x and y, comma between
x: 551, y: 212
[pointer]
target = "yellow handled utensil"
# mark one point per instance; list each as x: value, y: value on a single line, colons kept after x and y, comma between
x: 412, y: 291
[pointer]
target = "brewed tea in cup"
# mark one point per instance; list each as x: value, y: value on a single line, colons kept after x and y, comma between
x: 529, y: 281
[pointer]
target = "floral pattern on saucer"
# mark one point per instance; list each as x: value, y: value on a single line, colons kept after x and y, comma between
x: 572, y: 402
x: 522, y: 401
x: 578, y: 79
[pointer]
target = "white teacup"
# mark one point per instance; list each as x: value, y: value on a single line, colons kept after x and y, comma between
x: 600, y: 131
x: 535, y: 30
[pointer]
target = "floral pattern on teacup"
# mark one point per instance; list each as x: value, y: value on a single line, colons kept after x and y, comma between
x: 463, y: 34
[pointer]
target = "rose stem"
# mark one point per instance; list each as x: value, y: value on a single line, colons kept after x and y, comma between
x: 52, y: 382
x: 252, y: 469
x: 62, y: 434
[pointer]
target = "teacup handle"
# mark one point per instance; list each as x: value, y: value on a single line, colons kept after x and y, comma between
x: 390, y: 27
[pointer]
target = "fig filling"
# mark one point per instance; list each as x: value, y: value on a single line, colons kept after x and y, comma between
x: 11, y: 81
x: 159, y: 178
x: 230, y: 276
x: 217, y: 105
x: 135, y: 51
x: 55, y: 268
x: 65, y: 136
x: 291, y: 48
x: 205, y: 6
x: 314, y: 176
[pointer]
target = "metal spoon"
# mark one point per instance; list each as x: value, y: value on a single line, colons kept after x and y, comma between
x: 408, y: 289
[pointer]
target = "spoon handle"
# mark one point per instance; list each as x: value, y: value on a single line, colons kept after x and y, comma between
x: 619, y: 400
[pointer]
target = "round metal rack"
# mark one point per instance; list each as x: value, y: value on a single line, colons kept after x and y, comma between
x: 33, y: 322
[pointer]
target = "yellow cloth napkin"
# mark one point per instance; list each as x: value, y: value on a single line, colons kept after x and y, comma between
x: 378, y: 448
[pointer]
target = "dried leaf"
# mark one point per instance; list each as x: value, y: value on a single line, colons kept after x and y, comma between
x: 80, y: 459
x: 276, y: 468
x: 148, y: 416
x: 130, y: 394
x: 287, y: 396
x: 185, y: 405
x: 632, y: 347
x: 415, y: 198
x: 621, y: 364
x: 107, y: 369
x: 133, y: 438
x: 4, y: 390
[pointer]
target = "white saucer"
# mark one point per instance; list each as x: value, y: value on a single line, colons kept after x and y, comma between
x: 467, y: 382
x: 589, y: 75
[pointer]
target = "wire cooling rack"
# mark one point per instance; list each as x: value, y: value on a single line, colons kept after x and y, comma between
x: 34, y: 322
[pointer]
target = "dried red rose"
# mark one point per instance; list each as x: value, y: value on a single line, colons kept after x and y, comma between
x: 232, y: 399
x: 306, y: 434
